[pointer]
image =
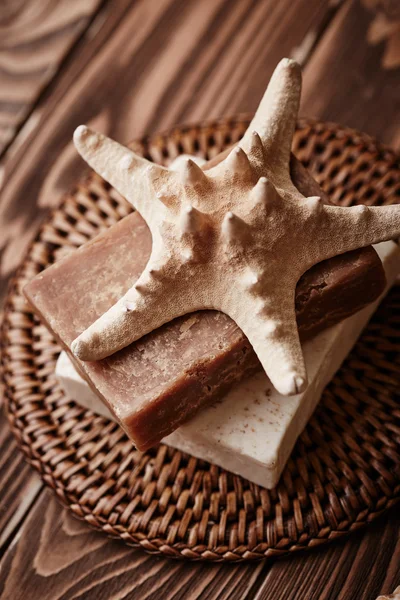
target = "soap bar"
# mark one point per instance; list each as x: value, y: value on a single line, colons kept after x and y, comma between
x: 157, y: 383
x: 253, y: 429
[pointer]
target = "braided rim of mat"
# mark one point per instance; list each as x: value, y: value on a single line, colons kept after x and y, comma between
x: 345, y: 468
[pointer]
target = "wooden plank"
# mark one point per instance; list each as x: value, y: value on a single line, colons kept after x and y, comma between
x: 55, y: 556
x: 148, y: 65
x: 34, y: 38
x: 367, y: 565
x: 349, y: 78
x: 167, y: 61
x: 20, y: 484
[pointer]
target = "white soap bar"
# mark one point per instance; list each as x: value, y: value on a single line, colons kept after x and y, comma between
x: 253, y: 429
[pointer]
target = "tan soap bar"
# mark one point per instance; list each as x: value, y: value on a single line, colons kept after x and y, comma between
x: 160, y: 381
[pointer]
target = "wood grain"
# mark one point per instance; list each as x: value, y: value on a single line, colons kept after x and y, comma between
x: 385, y: 27
x: 57, y: 557
x: 34, y: 38
x: 346, y: 79
x: 20, y: 484
x: 145, y: 67
x: 366, y: 565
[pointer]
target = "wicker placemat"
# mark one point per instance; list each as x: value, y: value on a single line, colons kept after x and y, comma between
x: 345, y: 468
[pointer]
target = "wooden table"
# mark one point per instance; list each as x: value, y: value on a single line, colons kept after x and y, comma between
x: 132, y: 67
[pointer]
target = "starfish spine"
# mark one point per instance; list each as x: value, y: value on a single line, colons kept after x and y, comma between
x: 264, y: 192
x: 192, y: 220
x: 233, y: 229
x: 237, y: 163
x: 192, y: 174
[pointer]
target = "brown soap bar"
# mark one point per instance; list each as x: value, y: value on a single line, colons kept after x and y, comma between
x: 156, y: 383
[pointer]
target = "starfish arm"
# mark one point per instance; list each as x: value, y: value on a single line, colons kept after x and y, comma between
x: 145, y: 307
x: 130, y: 174
x: 274, y: 337
x: 342, y: 229
x: 275, y: 119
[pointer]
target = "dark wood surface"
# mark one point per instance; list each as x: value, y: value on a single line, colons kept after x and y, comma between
x: 127, y: 68
x: 63, y: 558
x: 35, y: 37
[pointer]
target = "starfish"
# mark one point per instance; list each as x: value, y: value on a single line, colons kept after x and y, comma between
x: 234, y: 238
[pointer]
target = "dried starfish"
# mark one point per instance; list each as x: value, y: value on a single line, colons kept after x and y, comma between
x: 235, y: 238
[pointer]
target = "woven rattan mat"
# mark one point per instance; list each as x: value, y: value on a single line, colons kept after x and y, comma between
x: 345, y: 468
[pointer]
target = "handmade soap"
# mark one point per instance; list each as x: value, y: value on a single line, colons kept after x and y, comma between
x: 253, y: 429
x: 157, y: 383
